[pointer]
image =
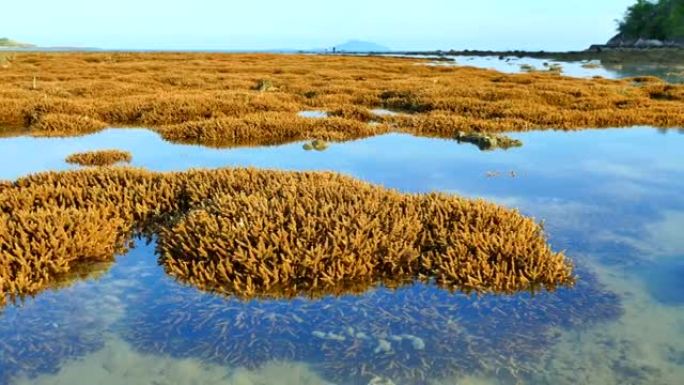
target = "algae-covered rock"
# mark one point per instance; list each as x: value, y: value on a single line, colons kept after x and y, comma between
x: 319, y: 145
x: 316, y: 144
x: 488, y: 142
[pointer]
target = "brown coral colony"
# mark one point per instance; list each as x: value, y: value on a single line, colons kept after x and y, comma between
x: 249, y: 99
x: 99, y: 158
x: 249, y: 232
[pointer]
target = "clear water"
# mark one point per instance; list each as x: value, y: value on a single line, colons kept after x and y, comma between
x: 611, y: 198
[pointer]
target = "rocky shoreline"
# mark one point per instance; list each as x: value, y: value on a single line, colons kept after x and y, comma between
x: 606, y: 53
x: 619, y: 49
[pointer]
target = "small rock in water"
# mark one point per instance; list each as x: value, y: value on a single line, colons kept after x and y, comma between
x: 383, y: 347
x: 361, y: 336
x: 417, y: 342
x: 318, y: 145
x: 335, y: 337
x: 318, y: 334
x: 487, y: 142
x: 327, y: 336
x: 381, y: 381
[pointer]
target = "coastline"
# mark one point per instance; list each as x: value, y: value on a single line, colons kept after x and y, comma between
x: 597, y: 52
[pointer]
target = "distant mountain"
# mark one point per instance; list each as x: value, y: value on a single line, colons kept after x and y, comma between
x: 360, y: 46
x: 8, y: 43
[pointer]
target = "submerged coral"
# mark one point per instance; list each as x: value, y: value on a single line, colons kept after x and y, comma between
x: 231, y: 100
x: 39, y: 334
x: 412, y: 334
x: 250, y: 231
x: 99, y: 158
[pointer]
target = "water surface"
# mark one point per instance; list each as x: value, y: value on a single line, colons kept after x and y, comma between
x: 611, y: 198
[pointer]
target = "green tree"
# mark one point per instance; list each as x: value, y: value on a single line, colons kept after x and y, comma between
x: 662, y: 20
x: 675, y: 19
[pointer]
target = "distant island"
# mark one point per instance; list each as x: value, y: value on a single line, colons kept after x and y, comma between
x: 360, y: 46
x: 651, y: 24
x: 8, y: 43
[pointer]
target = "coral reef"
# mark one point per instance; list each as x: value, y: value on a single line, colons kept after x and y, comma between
x: 49, y: 124
x: 231, y: 100
x: 39, y: 245
x: 99, y: 158
x: 251, y: 232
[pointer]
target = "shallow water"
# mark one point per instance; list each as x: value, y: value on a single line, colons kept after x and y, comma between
x: 611, y: 198
x: 513, y: 64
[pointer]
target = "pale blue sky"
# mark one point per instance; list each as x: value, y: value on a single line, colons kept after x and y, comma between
x: 305, y: 24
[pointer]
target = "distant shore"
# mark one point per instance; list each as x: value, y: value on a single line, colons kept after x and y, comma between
x: 606, y: 54
x: 601, y: 53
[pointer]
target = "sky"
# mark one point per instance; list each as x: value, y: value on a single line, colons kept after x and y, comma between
x: 309, y: 24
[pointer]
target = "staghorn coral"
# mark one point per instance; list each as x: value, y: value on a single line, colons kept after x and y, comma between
x: 40, y: 245
x: 251, y: 244
x: 267, y: 128
x: 218, y: 99
x: 411, y: 334
x: 65, y: 125
x: 99, y: 158
x: 250, y: 232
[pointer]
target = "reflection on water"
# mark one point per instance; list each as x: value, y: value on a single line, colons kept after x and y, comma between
x: 612, y: 198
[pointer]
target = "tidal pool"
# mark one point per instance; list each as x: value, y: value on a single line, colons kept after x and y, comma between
x: 611, y: 198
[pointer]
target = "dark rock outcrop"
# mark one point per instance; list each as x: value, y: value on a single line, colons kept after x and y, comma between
x: 622, y: 41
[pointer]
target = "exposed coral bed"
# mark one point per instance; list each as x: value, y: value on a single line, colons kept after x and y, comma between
x: 240, y: 99
x: 251, y: 232
x: 99, y: 158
